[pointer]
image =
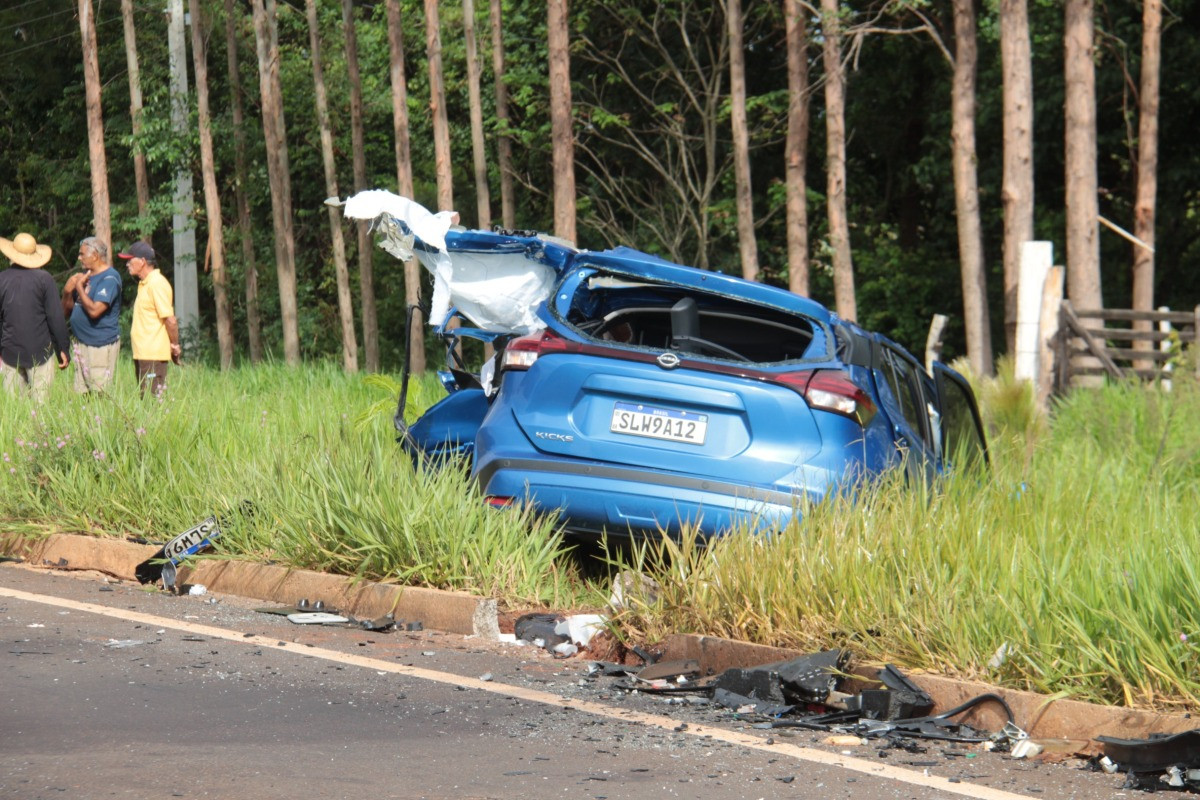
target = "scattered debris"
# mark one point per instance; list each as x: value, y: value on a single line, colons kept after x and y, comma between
x: 803, y: 692
x: 119, y: 644
x: 669, y: 670
x: 315, y: 612
x: 561, y: 635
x: 197, y: 589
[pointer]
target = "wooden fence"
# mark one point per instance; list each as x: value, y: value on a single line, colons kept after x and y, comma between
x: 1107, y: 342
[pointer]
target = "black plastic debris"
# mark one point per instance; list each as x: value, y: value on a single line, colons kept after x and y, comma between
x: 685, y: 668
x: 811, y: 678
x: 756, y: 685
x: 385, y: 623
x: 745, y: 704
x: 540, y: 630
x: 1158, y: 753
x: 804, y: 693
x: 610, y: 670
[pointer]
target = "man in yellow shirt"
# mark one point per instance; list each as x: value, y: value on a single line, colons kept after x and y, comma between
x: 154, y: 333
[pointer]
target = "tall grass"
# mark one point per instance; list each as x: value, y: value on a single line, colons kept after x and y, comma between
x: 1073, y: 567
x: 330, y: 487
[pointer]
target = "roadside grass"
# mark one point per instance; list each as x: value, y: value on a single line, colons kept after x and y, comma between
x: 1072, y: 567
x: 330, y: 488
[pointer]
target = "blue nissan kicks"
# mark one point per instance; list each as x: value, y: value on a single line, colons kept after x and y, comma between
x: 630, y: 394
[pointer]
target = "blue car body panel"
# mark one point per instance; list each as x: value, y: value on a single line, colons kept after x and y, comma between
x: 578, y: 429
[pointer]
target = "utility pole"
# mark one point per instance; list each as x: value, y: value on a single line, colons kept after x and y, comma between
x: 187, y: 290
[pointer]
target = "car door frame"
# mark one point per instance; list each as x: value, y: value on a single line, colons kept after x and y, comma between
x: 943, y: 378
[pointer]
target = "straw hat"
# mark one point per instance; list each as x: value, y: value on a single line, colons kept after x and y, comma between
x: 24, y: 251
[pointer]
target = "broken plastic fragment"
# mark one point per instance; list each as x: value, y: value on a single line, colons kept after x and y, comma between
x: 582, y: 627
x: 1026, y: 748
x: 317, y: 618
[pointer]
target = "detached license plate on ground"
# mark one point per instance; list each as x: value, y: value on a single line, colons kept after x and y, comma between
x: 637, y: 419
x: 191, y: 540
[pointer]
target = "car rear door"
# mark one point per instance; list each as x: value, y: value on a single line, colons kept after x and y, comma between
x: 907, y: 398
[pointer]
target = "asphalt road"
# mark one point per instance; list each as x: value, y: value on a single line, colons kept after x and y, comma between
x: 113, y: 691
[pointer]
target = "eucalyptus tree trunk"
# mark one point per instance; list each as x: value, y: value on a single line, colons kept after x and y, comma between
x: 561, y: 136
x: 212, y: 199
x: 245, y: 228
x: 483, y: 200
x: 140, y: 179
x: 1017, y: 181
x: 1147, y: 163
x: 835, y: 145
x: 95, y: 125
x: 503, y: 140
x: 966, y: 190
x: 437, y: 104
x: 1083, y: 207
x: 274, y: 132
x: 747, y: 242
x: 366, y: 268
x: 796, y: 146
x: 404, y: 177
x: 340, y: 271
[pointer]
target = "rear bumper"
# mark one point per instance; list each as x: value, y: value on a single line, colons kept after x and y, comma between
x: 593, y: 497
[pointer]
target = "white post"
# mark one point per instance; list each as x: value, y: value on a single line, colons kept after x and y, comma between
x: 187, y: 291
x: 1036, y: 259
x: 1164, y: 326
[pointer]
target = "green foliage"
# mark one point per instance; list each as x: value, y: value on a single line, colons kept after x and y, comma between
x: 329, y: 494
x: 1075, y: 556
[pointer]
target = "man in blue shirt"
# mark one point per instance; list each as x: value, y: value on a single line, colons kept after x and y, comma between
x: 92, y: 301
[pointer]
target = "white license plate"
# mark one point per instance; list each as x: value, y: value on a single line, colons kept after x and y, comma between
x: 659, y: 423
x: 191, y: 540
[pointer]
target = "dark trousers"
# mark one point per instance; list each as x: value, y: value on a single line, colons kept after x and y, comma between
x: 151, y: 375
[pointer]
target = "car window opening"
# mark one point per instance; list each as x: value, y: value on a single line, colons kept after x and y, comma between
x: 663, y: 317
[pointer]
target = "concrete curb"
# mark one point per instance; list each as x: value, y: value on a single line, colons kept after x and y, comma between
x: 457, y: 612
x: 453, y: 612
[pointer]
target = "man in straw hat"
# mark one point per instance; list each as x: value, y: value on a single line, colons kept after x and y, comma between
x: 32, y: 328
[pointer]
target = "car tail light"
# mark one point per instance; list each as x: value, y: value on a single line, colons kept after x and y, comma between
x: 497, y: 501
x: 521, y: 352
x: 832, y: 390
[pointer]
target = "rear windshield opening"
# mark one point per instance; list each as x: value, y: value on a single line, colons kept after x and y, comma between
x: 663, y: 317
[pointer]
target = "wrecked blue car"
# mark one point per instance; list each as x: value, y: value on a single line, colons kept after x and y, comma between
x: 629, y: 394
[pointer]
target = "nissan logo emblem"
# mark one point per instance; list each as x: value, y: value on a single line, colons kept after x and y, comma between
x: 668, y: 360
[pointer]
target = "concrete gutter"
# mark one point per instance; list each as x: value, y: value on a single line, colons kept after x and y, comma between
x: 453, y: 612
x: 458, y: 612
